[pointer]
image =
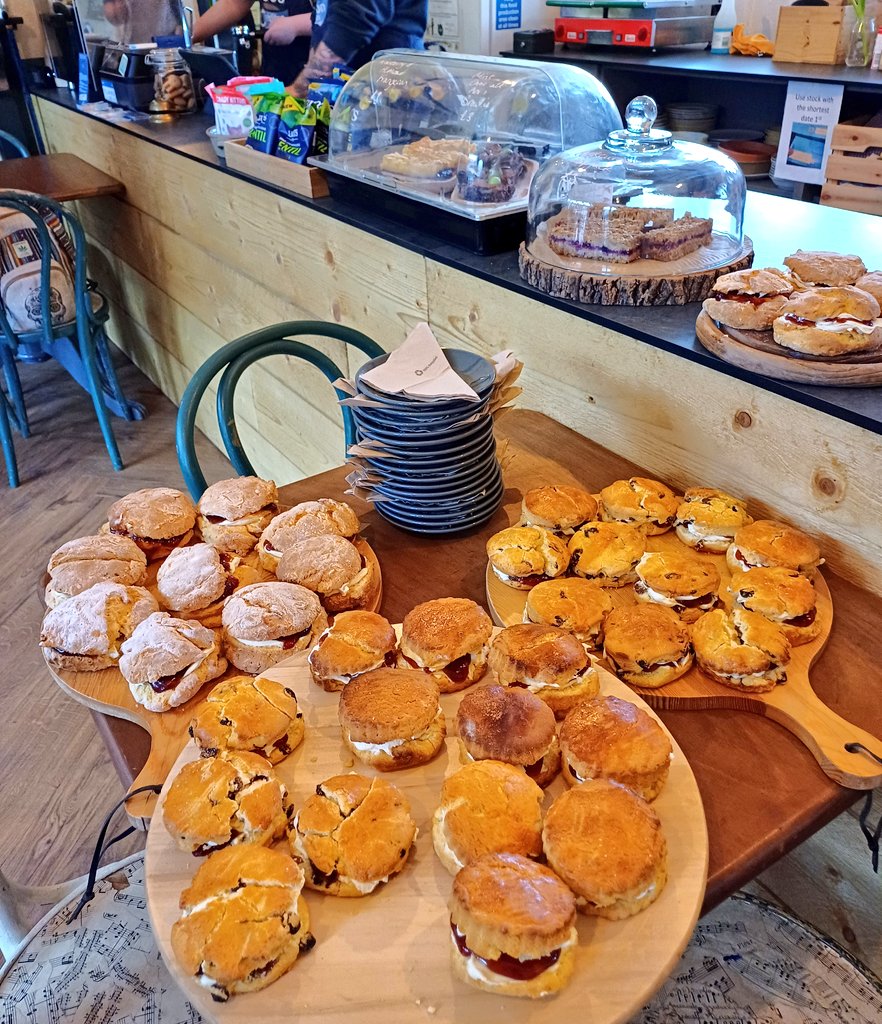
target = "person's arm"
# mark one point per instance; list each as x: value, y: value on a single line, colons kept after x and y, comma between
x: 282, y: 31
x: 218, y: 17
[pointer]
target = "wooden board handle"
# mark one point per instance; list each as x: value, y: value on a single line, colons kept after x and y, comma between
x: 168, y: 738
x: 826, y: 734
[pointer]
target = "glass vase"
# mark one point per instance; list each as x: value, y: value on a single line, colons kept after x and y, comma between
x: 860, y: 42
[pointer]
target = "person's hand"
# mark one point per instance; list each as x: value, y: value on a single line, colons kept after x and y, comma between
x: 281, y: 31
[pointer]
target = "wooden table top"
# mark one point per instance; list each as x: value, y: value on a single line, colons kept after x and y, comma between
x: 60, y: 176
x: 763, y: 792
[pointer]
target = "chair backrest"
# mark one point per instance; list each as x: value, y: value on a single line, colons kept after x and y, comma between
x: 233, y: 359
x: 12, y: 143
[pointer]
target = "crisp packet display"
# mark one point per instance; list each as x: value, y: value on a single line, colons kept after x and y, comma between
x: 322, y: 127
x: 296, y: 129
x: 232, y: 111
x: 328, y: 88
x: 267, y: 112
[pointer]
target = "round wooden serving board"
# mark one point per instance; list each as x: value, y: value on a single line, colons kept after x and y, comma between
x: 756, y: 351
x: 793, y: 704
x: 385, y: 958
x: 109, y: 693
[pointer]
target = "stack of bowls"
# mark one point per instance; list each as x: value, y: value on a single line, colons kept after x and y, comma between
x: 437, y: 471
x: 691, y: 117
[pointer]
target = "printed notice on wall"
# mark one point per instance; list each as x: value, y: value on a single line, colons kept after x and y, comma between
x: 443, y: 27
x: 811, y: 111
x: 508, y: 14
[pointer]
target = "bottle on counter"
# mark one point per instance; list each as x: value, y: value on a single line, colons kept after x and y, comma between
x: 724, y: 24
x: 876, y: 59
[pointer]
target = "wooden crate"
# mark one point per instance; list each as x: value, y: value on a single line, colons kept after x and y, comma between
x: 854, y: 170
x: 812, y: 35
x: 296, y: 178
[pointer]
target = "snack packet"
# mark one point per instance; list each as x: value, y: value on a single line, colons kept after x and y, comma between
x: 232, y: 111
x: 322, y: 127
x: 328, y: 88
x: 296, y: 129
x: 267, y: 109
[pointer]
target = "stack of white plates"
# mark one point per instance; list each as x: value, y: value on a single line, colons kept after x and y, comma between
x: 435, y: 469
x: 691, y: 117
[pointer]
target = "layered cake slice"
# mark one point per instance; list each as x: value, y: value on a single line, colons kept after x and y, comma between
x: 609, y: 233
x: 671, y: 241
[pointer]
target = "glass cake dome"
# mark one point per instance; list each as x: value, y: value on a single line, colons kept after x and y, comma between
x: 638, y: 204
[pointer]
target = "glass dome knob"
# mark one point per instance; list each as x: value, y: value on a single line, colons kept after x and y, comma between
x: 639, y: 138
x: 640, y: 115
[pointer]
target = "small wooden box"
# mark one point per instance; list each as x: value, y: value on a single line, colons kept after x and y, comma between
x: 812, y: 35
x: 854, y: 170
x: 274, y: 170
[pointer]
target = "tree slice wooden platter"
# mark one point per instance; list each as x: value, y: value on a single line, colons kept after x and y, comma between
x: 643, y: 283
x: 109, y: 693
x: 756, y: 351
x: 793, y: 704
x: 385, y: 958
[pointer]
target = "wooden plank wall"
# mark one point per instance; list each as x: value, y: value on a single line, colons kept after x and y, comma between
x: 192, y: 257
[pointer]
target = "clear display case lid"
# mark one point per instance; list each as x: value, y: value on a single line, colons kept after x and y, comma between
x: 462, y: 131
x: 637, y: 199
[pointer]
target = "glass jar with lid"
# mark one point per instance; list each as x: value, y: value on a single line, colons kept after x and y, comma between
x: 639, y: 204
x: 172, y: 82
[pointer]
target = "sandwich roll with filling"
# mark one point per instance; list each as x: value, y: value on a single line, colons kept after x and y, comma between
x: 509, y: 724
x: 334, y: 569
x: 167, y: 660
x: 563, y: 510
x: 243, y: 921
x: 749, y: 299
x: 86, y: 632
x: 243, y: 713
x: 308, y: 519
x: 157, y: 519
x: 195, y: 582
x: 647, y: 644
x: 449, y: 639
x: 487, y: 807
x: 573, y: 604
x: 85, y: 561
x: 512, y: 927
x: 830, y: 322
x: 354, y: 643
x: 816, y: 267
x: 871, y: 283
x: 685, y: 583
x: 232, y: 514
x: 646, y: 503
x: 742, y: 650
x: 607, y: 553
x: 768, y: 542
x: 708, y: 518
x: 547, y: 661
x: 217, y: 802
x: 523, y: 556
x: 352, y: 835
x: 391, y: 718
x: 781, y: 595
x: 623, y: 869
x: 610, y: 738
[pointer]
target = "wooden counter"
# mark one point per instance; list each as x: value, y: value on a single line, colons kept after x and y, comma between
x: 193, y: 256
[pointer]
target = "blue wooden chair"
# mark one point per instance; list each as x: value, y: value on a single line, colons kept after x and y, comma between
x: 12, y: 143
x: 234, y: 358
x: 80, y: 344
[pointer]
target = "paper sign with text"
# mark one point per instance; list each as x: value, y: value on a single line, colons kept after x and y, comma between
x: 810, y: 113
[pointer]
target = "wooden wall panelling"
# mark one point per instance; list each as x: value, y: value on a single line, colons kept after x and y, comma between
x: 685, y: 422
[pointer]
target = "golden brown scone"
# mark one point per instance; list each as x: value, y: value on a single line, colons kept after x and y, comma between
x: 743, y: 650
x: 563, y: 510
x: 749, y: 299
x: 624, y: 867
x: 233, y: 513
x: 243, y: 713
x: 487, y: 807
x: 510, y: 724
x: 646, y: 503
x: 768, y: 542
x: 523, y: 556
x: 167, y: 660
x: 308, y: 519
x: 244, y: 921
x: 194, y: 582
x: 85, y: 633
x: 512, y: 927
x: 157, y: 519
x: 871, y: 283
x: 267, y: 622
x: 648, y: 645
x: 825, y: 268
x: 829, y: 322
x: 103, y: 558
x: 352, y: 835
x: 215, y: 802
x: 685, y: 583
x: 781, y: 595
x: 607, y: 553
x: 575, y: 604
x: 355, y: 642
x: 333, y: 568
x: 448, y: 638
x: 547, y: 661
x: 707, y: 519
x: 609, y: 738
x: 390, y: 718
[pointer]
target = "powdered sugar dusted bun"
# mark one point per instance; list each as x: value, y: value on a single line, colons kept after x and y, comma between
x: 233, y: 513
x: 157, y: 519
x: 85, y: 561
x: 308, y: 519
x: 825, y: 268
x: 333, y: 568
x: 449, y: 638
x: 871, y: 283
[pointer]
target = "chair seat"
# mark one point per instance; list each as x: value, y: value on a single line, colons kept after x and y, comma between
x: 100, y: 311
